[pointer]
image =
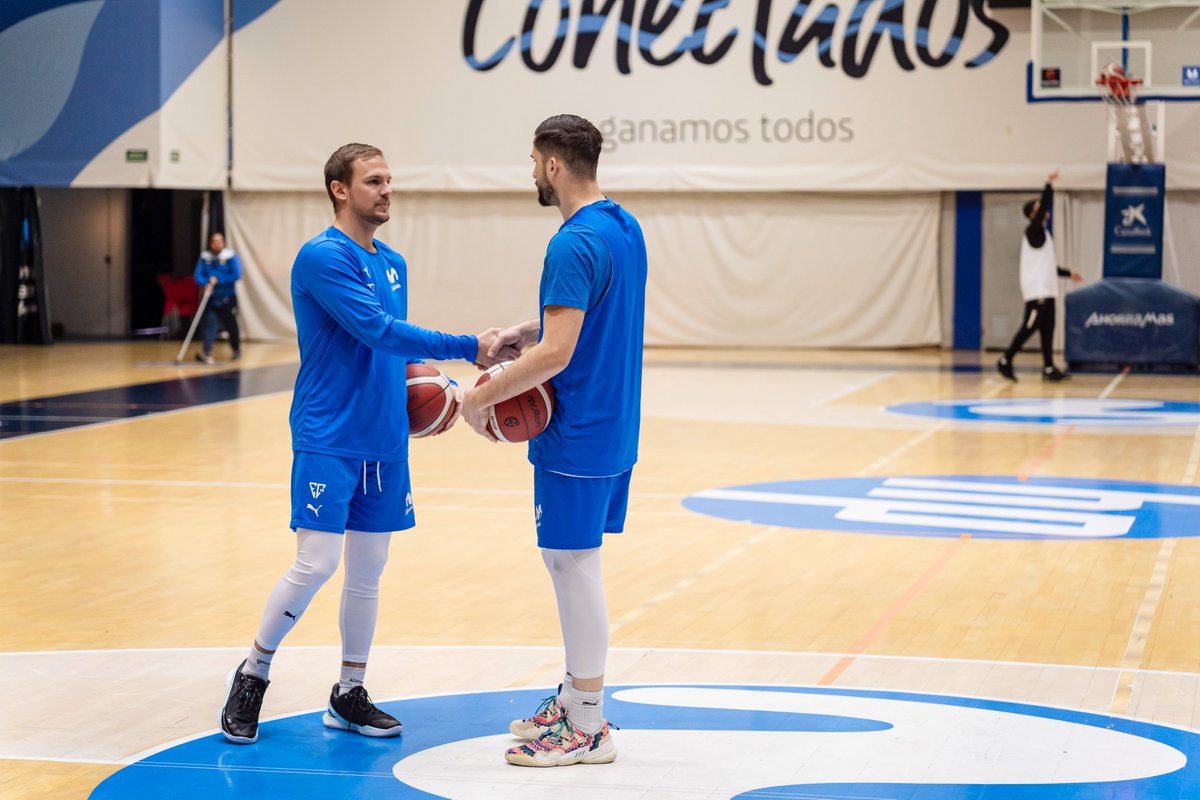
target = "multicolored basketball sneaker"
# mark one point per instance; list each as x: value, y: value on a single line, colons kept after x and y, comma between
x: 548, y: 713
x: 562, y: 746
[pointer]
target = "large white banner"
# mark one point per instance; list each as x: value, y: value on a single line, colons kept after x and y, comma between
x: 692, y: 94
x: 746, y: 270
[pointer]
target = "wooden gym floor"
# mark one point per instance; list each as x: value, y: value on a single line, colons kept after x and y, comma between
x: 138, y: 553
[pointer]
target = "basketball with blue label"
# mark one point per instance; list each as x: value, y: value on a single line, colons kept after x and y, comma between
x: 519, y: 418
x: 431, y: 400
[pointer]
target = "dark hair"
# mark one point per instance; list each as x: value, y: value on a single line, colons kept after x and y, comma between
x: 574, y: 140
x: 340, y: 166
x: 1027, y: 209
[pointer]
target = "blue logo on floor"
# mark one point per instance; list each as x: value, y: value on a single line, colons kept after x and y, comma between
x: 1060, y: 411
x: 682, y: 741
x: 990, y: 507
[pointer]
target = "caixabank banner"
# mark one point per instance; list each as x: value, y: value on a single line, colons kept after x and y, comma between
x: 1133, y: 221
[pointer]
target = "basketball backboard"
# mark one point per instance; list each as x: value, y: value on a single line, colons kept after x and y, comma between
x: 1157, y: 41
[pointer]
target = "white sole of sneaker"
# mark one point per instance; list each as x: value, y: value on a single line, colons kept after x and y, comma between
x: 332, y: 720
x: 606, y: 754
x: 221, y: 714
x: 523, y: 730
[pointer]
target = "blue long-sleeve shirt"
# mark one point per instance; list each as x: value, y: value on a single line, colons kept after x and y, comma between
x: 225, y: 265
x: 350, y: 307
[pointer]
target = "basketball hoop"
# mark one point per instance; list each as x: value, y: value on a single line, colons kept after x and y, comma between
x: 1129, y: 119
x: 1122, y: 88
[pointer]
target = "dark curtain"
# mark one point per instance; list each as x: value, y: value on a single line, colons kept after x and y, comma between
x: 216, y: 216
x: 24, y: 313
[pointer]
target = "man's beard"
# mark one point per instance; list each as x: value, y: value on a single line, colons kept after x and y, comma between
x: 373, y: 217
x: 546, y: 194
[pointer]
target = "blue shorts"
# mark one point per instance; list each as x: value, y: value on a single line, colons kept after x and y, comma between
x: 574, y: 513
x: 332, y: 493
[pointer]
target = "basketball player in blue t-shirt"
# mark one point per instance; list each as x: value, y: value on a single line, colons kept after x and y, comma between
x: 350, y: 481
x: 589, y: 346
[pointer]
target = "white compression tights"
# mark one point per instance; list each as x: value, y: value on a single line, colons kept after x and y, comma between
x: 317, y: 556
x: 582, y: 609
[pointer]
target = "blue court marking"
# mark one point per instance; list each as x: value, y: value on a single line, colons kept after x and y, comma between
x: 58, y: 412
x: 1060, y: 411
x: 983, y: 506
x: 756, y: 741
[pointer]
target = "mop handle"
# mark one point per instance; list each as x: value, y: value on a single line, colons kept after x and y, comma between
x: 187, y: 340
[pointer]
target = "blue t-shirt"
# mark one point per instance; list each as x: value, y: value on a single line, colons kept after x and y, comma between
x: 596, y: 262
x: 350, y: 306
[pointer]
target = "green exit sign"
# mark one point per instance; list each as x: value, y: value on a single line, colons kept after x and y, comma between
x: 137, y: 156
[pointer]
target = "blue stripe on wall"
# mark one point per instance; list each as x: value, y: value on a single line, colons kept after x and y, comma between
x: 14, y: 11
x: 246, y: 11
x: 137, y: 54
x: 968, y: 270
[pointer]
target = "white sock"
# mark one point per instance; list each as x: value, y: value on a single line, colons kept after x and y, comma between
x: 351, y: 677
x: 564, y: 689
x: 585, y: 710
x: 258, y: 663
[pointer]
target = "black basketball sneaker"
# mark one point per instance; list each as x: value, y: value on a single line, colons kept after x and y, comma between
x: 354, y: 711
x: 243, y: 702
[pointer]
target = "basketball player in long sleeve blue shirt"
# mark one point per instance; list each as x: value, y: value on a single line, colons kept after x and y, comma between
x: 350, y: 481
x: 589, y: 346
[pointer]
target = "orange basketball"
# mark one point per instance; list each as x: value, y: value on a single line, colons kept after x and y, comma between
x: 431, y: 400
x: 520, y: 418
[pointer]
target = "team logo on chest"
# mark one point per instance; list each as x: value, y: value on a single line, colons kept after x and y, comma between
x: 393, y: 278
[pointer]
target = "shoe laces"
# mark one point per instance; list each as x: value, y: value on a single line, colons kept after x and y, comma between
x: 545, y: 706
x: 249, y: 694
x: 361, y: 700
x: 560, y: 731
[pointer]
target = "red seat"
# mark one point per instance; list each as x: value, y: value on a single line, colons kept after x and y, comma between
x: 181, y: 295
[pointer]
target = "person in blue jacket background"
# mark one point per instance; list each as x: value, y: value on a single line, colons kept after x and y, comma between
x: 220, y: 268
x: 350, y: 481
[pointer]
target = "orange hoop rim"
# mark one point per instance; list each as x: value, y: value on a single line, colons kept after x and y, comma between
x: 1119, y: 85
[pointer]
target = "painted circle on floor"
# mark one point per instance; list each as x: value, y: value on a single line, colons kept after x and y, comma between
x: 677, y: 741
x: 984, y: 506
x: 1060, y: 411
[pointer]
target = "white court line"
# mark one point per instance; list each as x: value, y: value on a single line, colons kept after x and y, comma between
x: 178, y: 484
x: 1139, y: 633
x: 686, y: 582
x: 542, y: 648
x: 175, y: 502
x: 854, y: 387
x: 1113, y: 384
x: 1135, y: 648
x: 920, y: 438
x: 1189, y: 475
